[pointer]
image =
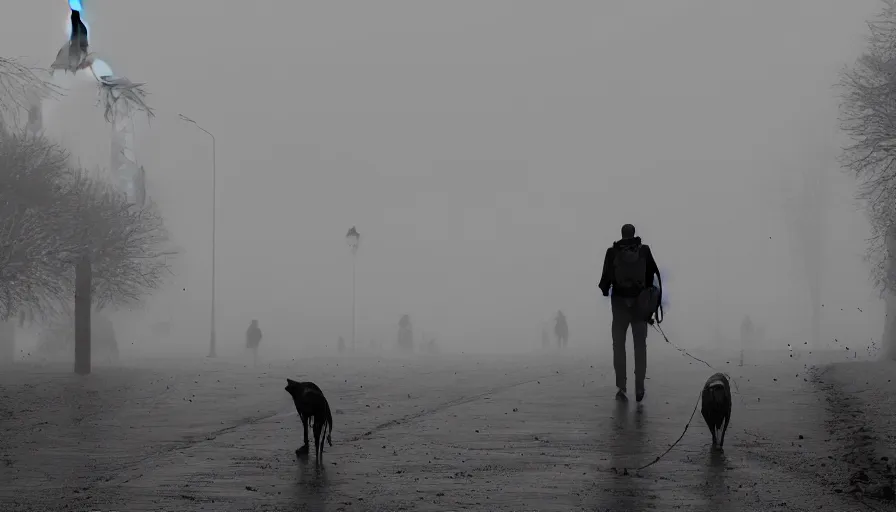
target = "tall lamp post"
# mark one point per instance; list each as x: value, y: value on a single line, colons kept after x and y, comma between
x: 352, y: 238
x: 211, y: 349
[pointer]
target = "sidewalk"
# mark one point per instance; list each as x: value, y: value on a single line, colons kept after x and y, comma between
x: 503, y: 433
x: 61, y: 434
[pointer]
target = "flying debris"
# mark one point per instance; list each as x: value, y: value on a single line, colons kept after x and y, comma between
x: 74, y: 56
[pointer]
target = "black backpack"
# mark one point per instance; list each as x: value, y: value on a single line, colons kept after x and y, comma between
x: 630, y: 267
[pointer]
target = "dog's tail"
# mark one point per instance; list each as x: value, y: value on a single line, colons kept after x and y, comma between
x: 330, y: 424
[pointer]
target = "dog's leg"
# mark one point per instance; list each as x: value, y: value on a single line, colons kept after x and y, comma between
x: 724, y: 428
x: 304, y: 449
x: 305, y: 432
x: 712, y: 430
x: 318, y: 442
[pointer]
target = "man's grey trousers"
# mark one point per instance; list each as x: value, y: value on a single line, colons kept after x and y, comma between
x: 626, y: 313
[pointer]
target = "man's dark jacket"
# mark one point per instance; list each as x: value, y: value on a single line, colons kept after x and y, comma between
x: 608, y: 279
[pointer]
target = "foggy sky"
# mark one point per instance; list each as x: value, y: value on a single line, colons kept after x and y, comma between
x: 488, y: 152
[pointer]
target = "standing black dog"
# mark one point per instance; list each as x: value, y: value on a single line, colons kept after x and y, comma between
x: 717, y: 406
x: 311, y: 404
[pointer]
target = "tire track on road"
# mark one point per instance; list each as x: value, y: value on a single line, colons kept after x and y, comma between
x: 445, y: 406
x: 130, y: 470
x: 185, y: 443
x: 179, y: 446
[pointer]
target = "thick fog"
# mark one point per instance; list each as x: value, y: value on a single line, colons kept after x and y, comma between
x: 488, y: 153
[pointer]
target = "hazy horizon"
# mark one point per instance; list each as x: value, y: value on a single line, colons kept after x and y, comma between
x: 488, y: 154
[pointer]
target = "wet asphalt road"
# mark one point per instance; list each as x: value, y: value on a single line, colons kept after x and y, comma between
x: 501, y: 433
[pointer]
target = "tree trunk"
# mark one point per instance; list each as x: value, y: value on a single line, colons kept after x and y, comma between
x: 83, y: 282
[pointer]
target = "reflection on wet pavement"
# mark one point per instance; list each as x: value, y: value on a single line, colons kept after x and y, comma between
x: 627, y: 489
x: 716, y: 485
x: 511, y: 433
x: 311, y: 487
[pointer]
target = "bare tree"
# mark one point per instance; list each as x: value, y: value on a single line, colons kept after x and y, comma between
x: 20, y: 87
x: 116, y: 91
x: 33, y: 199
x: 118, y: 251
x: 126, y: 244
x: 868, y: 110
x: 62, y: 232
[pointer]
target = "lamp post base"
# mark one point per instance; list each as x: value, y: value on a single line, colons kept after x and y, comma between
x: 211, y: 350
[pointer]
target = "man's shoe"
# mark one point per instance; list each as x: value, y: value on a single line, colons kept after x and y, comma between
x: 639, y: 395
x: 620, y: 395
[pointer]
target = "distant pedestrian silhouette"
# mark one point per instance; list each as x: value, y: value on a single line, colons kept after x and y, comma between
x: 405, y: 334
x: 253, y: 339
x: 561, y: 330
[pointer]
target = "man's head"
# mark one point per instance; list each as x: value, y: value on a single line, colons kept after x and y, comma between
x: 628, y: 231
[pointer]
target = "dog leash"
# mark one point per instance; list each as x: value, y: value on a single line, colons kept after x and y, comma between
x: 677, y: 440
x: 659, y: 329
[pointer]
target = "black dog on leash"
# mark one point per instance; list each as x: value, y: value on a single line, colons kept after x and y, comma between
x: 717, y: 406
x: 311, y: 405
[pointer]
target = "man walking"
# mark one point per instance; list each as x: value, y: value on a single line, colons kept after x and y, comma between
x: 629, y: 268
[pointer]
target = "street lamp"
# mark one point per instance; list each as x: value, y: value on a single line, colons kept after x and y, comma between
x: 211, y: 350
x: 352, y: 238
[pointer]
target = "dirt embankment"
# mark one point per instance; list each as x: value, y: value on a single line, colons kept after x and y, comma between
x: 861, y: 402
